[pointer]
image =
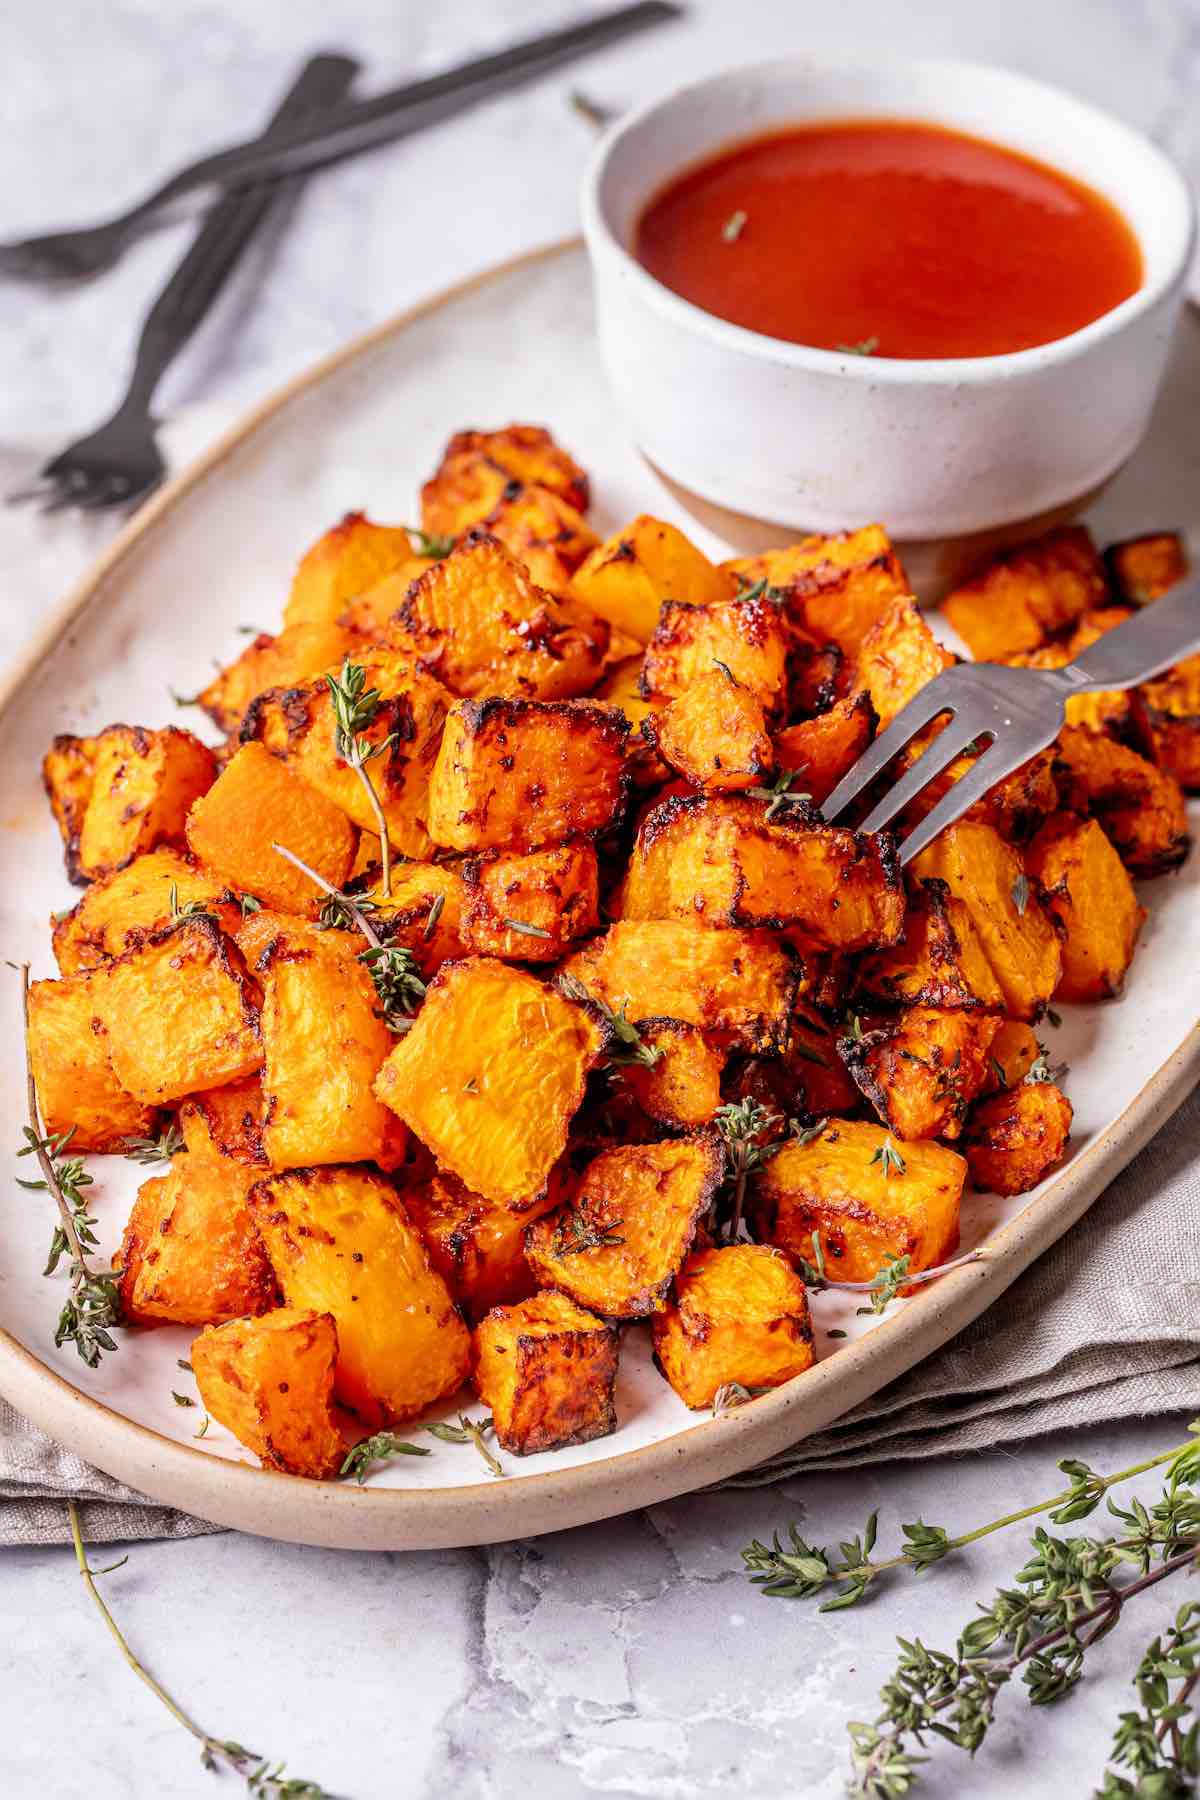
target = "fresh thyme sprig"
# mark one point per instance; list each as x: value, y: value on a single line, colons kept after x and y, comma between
x: 150, y: 1150
x: 574, y: 1233
x: 778, y: 795
x: 893, y: 1274
x: 864, y: 347
x: 430, y: 543
x: 467, y: 1431
x: 263, y: 1779
x: 392, y: 967
x: 743, y: 1126
x: 380, y: 1448
x: 1153, y: 1742
x: 355, y: 709
x: 93, y: 1307
x: 630, y: 1047
x: 190, y: 909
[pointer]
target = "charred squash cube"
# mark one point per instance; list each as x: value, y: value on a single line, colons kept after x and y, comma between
x: 478, y: 1249
x: 619, y: 1242
x: 899, y: 655
x: 517, y: 774
x: 270, y: 1382
x: 941, y: 960
x: 921, y: 1070
x: 123, y: 793
x: 1016, y: 1138
x: 341, y: 1242
x: 715, y: 734
x: 1029, y: 594
x: 530, y: 908
x: 490, y: 1076
x: 117, y: 908
x: 1168, y: 717
x: 297, y: 725
x: 1139, y: 807
x: 350, y: 558
x: 226, y: 1123
x: 819, y: 751
x: 836, y: 586
x: 1143, y: 568
x: 1085, y: 887
x: 324, y: 1041
x: 191, y: 1254
x: 737, y: 982
x: 179, y: 1013
x: 69, y: 1052
x: 683, y: 1087
x: 863, y: 1197
x: 299, y: 653
x: 478, y: 469
x: 423, y: 912
x: 256, y: 803
x: 1018, y: 937
x: 723, y: 861
x: 628, y: 579
x: 740, y: 1315
x: 545, y: 533
x: 751, y: 636
x: 546, y: 1370
x: 478, y: 620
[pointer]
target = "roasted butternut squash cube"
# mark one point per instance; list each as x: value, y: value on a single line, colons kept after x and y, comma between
x: 530, y: 908
x: 1106, y: 710
x: 297, y: 726
x: 899, y: 655
x: 1139, y: 807
x: 478, y: 620
x: 1028, y: 594
x: 270, y: 1382
x: 298, y: 654
x: 1017, y: 1137
x: 545, y: 533
x: 478, y: 1249
x: 341, y: 1242
x: 517, y: 774
x: 1013, y: 1053
x: 1143, y: 568
x: 940, y: 961
x: 722, y: 861
x: 738, y: 982
x: 69, y: 1052
x: 136, y: 899
x: 324, y: 1041
x: 478, y: 469
x: 1168, y: 717
x: 750, y: 635
x: 740, y: 1315
x: 819, y: 751
x: 350, y: 558
x: 863, y: 1197
x: 256, y: 803
x: 1085, y: 887
x: 619, y: 1242
x: 226, y: 1123
x: 179, y: 1012
x: 836, y: 586
x: 423, y: 912
x: 546, y: 1370
x: 715, y: 734
x: 622, y: 687
x: 191, y: 1254
x: 628, y: 579
x: 490, y: 1076
x: 921, y: 1071
x: 1018, y: 937
x: 140, y: 788
x: 683, y: 1087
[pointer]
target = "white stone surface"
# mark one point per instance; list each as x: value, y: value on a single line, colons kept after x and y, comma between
x: 630, y: 1658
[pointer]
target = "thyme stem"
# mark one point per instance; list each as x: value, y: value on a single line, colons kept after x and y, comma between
x: 49, y: 1176
x: 356, y: 913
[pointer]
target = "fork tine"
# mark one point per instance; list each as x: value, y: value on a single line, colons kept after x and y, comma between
x: 992, y: 766
x: 108, y: 491
x: 936, y: 756
x: 933, y: 699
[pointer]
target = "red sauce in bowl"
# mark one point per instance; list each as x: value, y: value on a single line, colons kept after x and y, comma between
x: 890, y: 237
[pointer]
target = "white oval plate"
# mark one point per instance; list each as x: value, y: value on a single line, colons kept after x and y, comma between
x: 213, y: 552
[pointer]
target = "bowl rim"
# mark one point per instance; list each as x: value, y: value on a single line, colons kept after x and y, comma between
x: 602, y: 239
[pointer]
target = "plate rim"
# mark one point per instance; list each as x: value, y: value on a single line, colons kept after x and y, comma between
x: 341, y: 1515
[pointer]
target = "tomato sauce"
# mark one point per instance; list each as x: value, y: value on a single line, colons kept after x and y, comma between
x: 889, y: 237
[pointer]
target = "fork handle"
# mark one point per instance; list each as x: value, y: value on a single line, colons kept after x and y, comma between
x: 1160, y: 634
x: 227, y: 230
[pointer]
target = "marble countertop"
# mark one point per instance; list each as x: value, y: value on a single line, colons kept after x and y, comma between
x: 628, y: 1658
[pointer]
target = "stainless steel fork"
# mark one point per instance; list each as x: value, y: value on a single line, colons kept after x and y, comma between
x: 121, y: 463
x: 1010, y: 714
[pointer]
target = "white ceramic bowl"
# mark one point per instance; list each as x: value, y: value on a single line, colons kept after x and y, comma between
x: 821, y: 440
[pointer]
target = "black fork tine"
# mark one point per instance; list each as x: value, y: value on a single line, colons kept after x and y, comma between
x: 933, y: 699
x: 937, y: 755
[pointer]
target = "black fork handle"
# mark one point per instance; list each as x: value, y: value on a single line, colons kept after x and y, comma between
x: 227, y: 230
x: 1162, y: 633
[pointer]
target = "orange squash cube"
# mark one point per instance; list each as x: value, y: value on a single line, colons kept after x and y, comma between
x: 819, y: 751
x: 921, y: 1070
x: 136, y: 899
x: 940, y: 961
x: 191, y: 1254
x: 1087, y: 889
x: 348, y: 559
x: 270, y: 1381
x: 750, y: 635
x: 836, y: 586
x: 1143, y: 568
x: 255, y: 803
x: 628, y: 579
x: 1016, y: 1138
x: 683, y: 1088
x: 530, y: 908
x: 123, y: 793
x: 478, y: 1249
x: 546, y: 1369
x: 545, y: 533
x: 480, y: 468
x: 1139, y: 807
x: 296, y: 655
x: 77, y: 1086
x: 715, y: 734
x: 740, y: 1315
x: 899, y: 655
x: 1028, y: 594
x: 1168, y: 716
x: 1013, y: 1052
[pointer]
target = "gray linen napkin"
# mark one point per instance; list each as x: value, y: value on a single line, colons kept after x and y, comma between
x: 1106, y: 1325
